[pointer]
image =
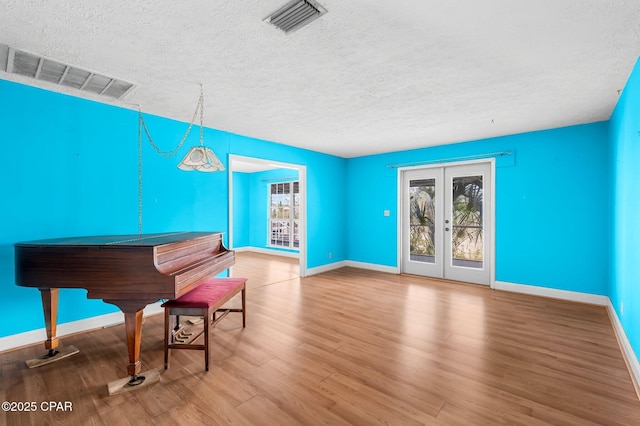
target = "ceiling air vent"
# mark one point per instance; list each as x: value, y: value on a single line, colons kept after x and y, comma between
x: 15, y: 61
x: 295, y: 14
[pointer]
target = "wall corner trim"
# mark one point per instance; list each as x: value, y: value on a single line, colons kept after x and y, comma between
x: 352, y: 264
x: 627, y: 351
x: 28, y: 338
x: 373, y: 267
x: 325, y: 268
x: 575, y: 296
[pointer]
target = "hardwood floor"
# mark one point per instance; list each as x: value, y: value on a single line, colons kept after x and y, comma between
x: 350, y: 347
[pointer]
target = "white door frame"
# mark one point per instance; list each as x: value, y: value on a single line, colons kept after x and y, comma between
x: 401, y: 207
x: 302, y: 178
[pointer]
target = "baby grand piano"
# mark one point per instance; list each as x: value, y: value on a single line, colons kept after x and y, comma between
x: 129, y: 271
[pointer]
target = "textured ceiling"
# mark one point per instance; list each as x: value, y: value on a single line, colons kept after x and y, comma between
x: 370, y: 76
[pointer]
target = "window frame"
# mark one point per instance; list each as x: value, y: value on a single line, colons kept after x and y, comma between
x: 293, y: 224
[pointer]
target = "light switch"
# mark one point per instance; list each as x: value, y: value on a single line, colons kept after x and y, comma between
x: 387, y: 213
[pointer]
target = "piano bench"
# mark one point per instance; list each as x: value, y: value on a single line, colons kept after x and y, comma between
x: 205, y: 300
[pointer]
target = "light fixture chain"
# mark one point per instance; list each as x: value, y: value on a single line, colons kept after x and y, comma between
x: 201, y: 103
x: 140, y: 125
x: 171, y: 153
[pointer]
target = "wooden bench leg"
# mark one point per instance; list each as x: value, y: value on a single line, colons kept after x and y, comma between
x: 244, y: 309
x: 167, y: 332
x: 207, y: 315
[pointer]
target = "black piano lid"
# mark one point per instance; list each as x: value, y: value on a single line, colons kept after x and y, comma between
x: 143, y: 240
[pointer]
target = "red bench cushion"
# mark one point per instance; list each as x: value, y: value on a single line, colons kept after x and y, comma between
x: 207, y: 294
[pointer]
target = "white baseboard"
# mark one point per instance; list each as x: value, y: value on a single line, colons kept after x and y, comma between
x: 627, y: 350
x: 594, y: 299
x: 373, y: 267
x: 325, y: 268
x: 350, y: 263
x: 273, y: 252
x: 39, y: 336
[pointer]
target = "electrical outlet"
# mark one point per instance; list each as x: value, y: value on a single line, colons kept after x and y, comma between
x: 621, y: 308
x: 330, y: 255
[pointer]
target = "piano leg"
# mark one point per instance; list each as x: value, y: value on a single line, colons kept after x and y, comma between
x: 133, y: 325
x: 50, y: 307
x: 54, y: 353
x: 132, y: 310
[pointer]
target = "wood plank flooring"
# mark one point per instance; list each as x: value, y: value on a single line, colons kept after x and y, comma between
x: 349, y: 347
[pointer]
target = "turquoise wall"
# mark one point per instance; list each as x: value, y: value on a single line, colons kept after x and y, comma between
x: 551, y: 205
x: 251, y: 209
x: 70, y: 168
x: 326, y: 226
x: 242, y: 198
x: 625, y: 249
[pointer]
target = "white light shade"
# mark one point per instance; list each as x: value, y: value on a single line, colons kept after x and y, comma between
x: 202, y: 159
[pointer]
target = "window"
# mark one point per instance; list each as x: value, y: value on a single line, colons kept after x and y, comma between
x: 284, y: 214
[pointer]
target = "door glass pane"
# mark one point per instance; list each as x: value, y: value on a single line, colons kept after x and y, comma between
x: 466, y: 230
x: 422, y: 199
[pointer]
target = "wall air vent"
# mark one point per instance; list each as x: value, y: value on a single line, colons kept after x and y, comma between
x: 295, y: 14
x: 15, y: 61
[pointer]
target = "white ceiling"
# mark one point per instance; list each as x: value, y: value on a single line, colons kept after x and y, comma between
x: 369, y: 76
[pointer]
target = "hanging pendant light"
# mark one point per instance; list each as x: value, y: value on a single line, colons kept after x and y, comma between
x: 201, y: 158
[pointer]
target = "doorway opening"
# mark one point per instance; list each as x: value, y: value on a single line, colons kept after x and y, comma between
x: 251, y: 213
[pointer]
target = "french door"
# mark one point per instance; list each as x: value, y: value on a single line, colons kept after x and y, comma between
x: 446, y: 222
